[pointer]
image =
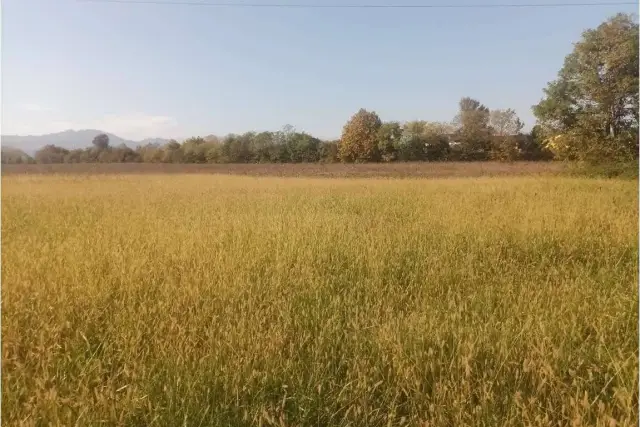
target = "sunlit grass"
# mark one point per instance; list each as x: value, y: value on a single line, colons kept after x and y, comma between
x: 230, y: 301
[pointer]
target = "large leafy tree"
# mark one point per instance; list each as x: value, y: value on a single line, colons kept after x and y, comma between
x: 593, y: 104
x: 359, y: 142
x: 473, y: 129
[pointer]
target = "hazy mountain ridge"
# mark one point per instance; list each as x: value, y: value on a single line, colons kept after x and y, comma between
x: 70, y: 139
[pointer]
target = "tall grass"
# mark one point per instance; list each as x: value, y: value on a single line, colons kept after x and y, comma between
x: 230, y: 301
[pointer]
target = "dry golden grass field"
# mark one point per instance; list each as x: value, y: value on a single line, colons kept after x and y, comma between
x: 212, y: 300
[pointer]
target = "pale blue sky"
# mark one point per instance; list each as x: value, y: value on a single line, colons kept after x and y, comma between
x: 175, y: 71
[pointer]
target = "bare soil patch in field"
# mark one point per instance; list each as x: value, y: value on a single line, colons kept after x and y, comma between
x: 391, y: 170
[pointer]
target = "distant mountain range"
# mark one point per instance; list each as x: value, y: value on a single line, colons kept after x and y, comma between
x: 70, y: 139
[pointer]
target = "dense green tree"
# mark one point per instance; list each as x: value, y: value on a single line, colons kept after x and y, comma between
x: 359, y: 141
x: 303, y: 148
x: 237, y: 148
x: 279, y: 153
x: 214, y: 153
x: 532, y: 147
x: 328, y: 151
x: 590, y: 112
x: 194, y: 150
x: 436, y: 147
x: 101, y: 142
x: 172, y: 152
x: 389, y: 136
x: 437, y: 136
x: 283, y: 142
x: 422, y: 140
x: 262, y: 147
x: 412, y: 144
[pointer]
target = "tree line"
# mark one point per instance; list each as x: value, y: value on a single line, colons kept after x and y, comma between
x: 589, y: 113
x: 481, y: 136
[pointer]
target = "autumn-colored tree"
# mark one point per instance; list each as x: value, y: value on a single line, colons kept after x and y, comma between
x: 359, y: 142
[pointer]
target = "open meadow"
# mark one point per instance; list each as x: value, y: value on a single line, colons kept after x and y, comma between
x: 213, y: 300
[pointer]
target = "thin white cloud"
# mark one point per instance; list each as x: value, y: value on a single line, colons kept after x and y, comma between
x: 34, y: 108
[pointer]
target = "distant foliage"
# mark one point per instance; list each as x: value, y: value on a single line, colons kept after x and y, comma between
x: 13, y: 156
x: 589, y: 114
x: 51, y: 154
x: 389, y: 136
x: 101, y: 142
x: 473, y: 130
x: 365, y: 139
